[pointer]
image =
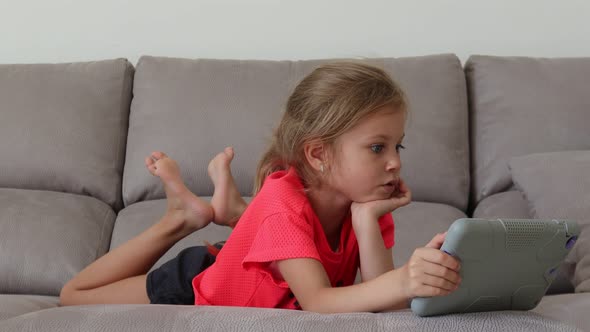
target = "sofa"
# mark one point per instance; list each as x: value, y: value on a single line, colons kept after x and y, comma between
x: 73, y: 185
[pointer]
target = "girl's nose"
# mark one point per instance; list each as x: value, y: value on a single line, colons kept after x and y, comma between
x: 394, y: 164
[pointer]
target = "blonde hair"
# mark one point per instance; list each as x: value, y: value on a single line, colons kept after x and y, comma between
x: 325, y: 104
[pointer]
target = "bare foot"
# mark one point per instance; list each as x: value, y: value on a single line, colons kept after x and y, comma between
x: 196, y: 212
x: 227, y: 201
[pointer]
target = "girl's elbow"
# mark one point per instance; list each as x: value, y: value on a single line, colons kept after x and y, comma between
x: 317, y: 309
x: 317, y: 304
x: 67, y: 296
x: 323, y: 305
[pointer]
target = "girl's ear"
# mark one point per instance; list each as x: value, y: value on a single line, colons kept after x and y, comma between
x: 316, y: 155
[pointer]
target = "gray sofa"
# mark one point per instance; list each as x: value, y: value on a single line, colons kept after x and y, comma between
x: 73, y: 184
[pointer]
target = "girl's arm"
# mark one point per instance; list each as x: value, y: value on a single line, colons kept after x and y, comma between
x: 310, y: 284
x: 429, y: 272
x: 375, y: 259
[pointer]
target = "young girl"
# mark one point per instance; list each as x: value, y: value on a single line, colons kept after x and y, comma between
x: 324, y: 193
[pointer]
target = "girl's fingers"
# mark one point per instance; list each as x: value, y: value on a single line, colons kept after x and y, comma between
x: 427, y: 290
x: 402, y: 186
x: 442, y: 272
x: 401, y: 198
x: 436, y: 282
x: 437, y: 241
x: 435, y: 256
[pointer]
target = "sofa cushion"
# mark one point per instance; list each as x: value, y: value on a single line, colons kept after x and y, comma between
x: 192, y: 109
x: 64, y: 127
x: 569, y: 308
x: 12, y: 305
x: 520, y: 106
x: 509, y: 204
x: 48, y: 237
x: 557, y: 186
x: 417, y: 223
x: 147, y: 318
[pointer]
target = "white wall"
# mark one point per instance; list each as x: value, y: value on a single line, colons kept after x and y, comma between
x: 62, y: 30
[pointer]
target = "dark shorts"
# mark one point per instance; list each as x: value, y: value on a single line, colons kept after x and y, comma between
x: 171, y: 283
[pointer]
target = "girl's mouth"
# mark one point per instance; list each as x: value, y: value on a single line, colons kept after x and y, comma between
x: 389, y: 187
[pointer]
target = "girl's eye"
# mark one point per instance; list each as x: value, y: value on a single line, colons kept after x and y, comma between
x: 398, y: 147
x: 377, y: 148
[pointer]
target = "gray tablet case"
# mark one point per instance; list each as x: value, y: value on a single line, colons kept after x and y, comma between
x: 506, y: 264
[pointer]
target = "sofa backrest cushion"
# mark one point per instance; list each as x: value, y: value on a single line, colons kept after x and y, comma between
x: 63, y: 127
x: 47, y: 237
x: 520, y: 106
x: 192, y: 109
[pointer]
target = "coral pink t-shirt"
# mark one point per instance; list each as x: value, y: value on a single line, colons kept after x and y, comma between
x: 278, y: 224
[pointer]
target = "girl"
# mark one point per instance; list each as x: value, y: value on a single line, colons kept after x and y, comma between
x: 324, y: 193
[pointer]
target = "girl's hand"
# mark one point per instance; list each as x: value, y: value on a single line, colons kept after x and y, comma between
x: 430, y: 271
x: 375, y: 209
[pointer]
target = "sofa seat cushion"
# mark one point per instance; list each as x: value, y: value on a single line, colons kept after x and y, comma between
x: 570, y: 308
x: 557, y: 186
x: 147, y: 318
x: 193, y: 108
x: 47, y: 237
x: 64, y: 127
x: 12, y: 305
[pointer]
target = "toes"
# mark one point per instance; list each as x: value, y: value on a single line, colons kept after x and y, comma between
x: 150, y: 163
x: 157, y: 155
x: 229, y: 151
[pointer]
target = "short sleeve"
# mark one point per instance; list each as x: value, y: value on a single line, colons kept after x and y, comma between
x: 281, y: 236
x: 387, y: 230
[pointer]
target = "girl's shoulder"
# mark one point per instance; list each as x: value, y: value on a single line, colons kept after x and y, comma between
x: 282, y: 191
x: 284, y: 182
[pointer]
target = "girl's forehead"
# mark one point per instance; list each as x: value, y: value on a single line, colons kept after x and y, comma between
x: 381, y: 124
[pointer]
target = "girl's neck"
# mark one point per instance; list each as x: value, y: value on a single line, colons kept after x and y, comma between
x: 331, y: 209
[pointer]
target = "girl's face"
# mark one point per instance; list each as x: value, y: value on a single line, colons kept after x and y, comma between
x: 367, y: 163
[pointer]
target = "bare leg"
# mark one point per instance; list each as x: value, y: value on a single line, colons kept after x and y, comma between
x: 120, y: 275
x: 226, y: 201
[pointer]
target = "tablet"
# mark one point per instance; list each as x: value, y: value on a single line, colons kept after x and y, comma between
x: 506, y: 264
